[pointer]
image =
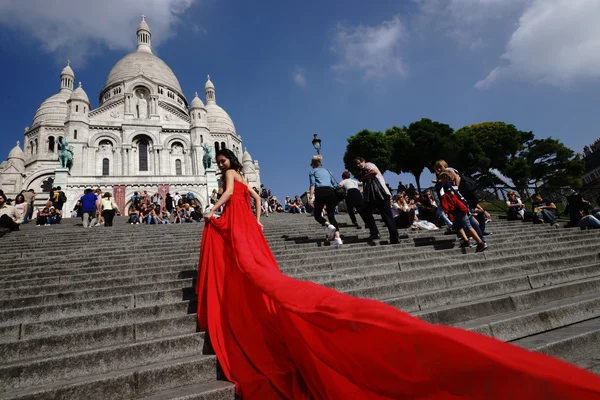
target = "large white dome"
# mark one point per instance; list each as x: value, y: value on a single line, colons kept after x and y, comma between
x: 146, y: 64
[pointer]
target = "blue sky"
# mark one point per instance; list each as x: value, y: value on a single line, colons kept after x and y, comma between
x: 285, y: 70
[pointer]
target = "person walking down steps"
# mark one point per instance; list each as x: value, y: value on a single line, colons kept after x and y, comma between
x: 322, y: 194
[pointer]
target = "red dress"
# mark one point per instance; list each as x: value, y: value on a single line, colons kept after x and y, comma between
x: 281, y: 338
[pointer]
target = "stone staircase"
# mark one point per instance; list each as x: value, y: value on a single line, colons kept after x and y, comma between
x: 109, y: 313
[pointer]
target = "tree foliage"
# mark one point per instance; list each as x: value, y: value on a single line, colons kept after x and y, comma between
x: 544, y: 161
x: 419, y: 146
x: 488, y: 145
x: 474, y: 149
x: 374, y: 147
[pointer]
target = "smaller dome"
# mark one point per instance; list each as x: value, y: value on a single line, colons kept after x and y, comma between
x: 209, y: 84
x: 143, y: 25
x: 79, y: 94
x: 16, y: 152
x: 196, y: 102
x: 218, y: 119
x: 53, y: 109
x: 67, y: 70
x: 246, y: 157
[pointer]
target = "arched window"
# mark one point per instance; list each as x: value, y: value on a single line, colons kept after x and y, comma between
x: 143, y: 155
x: 36, y: 146
x: 223, y: 146
x: 216, y: 147
x: 31, y: 149
x: 83, y: 109
x: 201, y: 139
x: 75, y: 134
x: 76, y: 108
x: 178, y: 167
x: 51, y: 144
x: 105, y: 167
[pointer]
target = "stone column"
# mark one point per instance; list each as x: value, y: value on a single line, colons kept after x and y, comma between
x: 128, y: 109
x: 154, y: 107
x: 155, y: 158
x: 188, y: 163
x: 84, y: 158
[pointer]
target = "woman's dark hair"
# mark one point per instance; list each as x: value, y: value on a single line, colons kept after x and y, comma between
x: 20, y: 196
x: 575, y: 198
x: 359, y: 159
x: 233, y: 160
x: 345, y: 175
x: 106, y: 195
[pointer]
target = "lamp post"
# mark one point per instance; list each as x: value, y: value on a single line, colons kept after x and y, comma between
x: 316, y: 142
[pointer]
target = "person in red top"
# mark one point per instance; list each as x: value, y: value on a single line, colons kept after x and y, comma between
x: 458, y: 212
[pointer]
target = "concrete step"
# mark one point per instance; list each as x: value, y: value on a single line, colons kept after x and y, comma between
x: 50, y: 346
x: 22, y: 288
x: 65, y: 297
x: 95, y: 320
x: 576, y: 343
x: 216, y: 390
x: 23, y: 374
x: 534, y: 320
x: 79, y: 308
x: 135, y: 382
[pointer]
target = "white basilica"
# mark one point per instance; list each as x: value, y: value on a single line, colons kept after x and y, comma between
x: 143, y: 135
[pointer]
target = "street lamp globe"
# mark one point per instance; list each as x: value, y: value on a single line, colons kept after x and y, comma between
x: 316, y: 142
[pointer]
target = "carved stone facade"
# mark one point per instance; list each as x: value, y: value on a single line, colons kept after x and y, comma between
x: 143, y: 135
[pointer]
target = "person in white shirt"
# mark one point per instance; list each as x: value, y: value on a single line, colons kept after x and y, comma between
x: 354, y: 199
x: 176, y: 199
x: 8, y: 215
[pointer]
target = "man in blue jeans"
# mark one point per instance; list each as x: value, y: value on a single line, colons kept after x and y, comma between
x: 543, y: 210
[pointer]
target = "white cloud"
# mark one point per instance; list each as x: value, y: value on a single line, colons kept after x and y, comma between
x: 556, y: 43
x: 370, y: 50
x: 69, y: 28
x: 469, y: 22
x: 300, y: 78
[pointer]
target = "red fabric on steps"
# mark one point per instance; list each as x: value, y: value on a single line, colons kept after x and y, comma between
x: 281, y: 338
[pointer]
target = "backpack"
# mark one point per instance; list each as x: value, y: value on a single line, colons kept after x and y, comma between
x: 264, y: 194
x: 467, y: 188
x: 62, y: 198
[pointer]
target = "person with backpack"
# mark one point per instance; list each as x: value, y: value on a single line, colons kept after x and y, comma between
x: 59, y: 199
x: 469, y: 198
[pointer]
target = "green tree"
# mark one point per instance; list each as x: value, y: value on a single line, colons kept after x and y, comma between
x: 544, y: 161
x: 375, y: 147
x: 489, y: 145
x: 419, y: 146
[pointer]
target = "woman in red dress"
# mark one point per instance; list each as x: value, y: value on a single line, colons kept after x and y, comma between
x: 280, y: 338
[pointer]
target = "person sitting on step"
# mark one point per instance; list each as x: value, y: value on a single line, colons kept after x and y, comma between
x: 515, y: 209
x: 578, y: 211
x: 543, y: 210
x: 43, y: 217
